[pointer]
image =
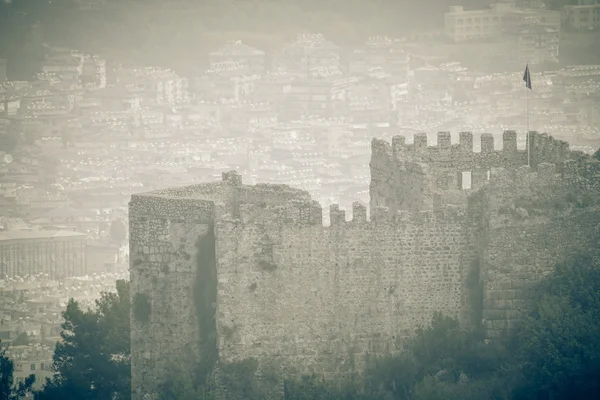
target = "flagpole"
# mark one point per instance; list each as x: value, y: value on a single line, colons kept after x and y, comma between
x: 527, y: 89
x: 528, y: 140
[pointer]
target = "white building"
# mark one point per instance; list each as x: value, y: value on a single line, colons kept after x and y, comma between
x: 583, y: 16
x: 465, y: 25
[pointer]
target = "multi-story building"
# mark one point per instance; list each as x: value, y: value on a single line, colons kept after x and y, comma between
x: 102, y: 256
x: 114, y: 98
x: 536, y: 44
x: 380, y: 53
x: 369, y: 117
x: 57, y: 253
x: 383, y: 88
x: 306, y: 52
x: 155, y: 85
x: 461, y: 25
x: 324, y: 94
x: 31, y: 359
x: 3, y: 70
x: 45, y: 102
x: 577, y: 75
x: 582, y: 17
x: 250, y: 115
x: 433, y: 83
x: 239, y: 53
x: 587, y: 2
x: 227, y: 81
x: 9, y: 105
x: 26, y: 170
x: 94, y: 71
x: 272, y: 88
x: 529, y: 4
x: 515, y: 18
x: 66, y: 64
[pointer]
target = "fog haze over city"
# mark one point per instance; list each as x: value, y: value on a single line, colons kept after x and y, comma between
x: 260, y: 199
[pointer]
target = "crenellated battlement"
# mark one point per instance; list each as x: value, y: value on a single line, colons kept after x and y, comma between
x: 462, y: 155
x: 410, y: 176
x: 311, y: 213
x: 420, y: 143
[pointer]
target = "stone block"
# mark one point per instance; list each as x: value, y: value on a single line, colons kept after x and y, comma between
x: 494, y: 315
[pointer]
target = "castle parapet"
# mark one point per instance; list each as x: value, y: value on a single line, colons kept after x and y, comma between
x: 487, y: 143
x: 420, y: 142
x: 316, y: 213
x: 380, y: 147
x: 298, y: 212
x: 233, y: 178
x: 509, y: 141
x: 398, y: 144
x: 337, y: 217
x: 444, y: 140
x: 359, y: 212
x: 465, y: 142
x: 545, y: 148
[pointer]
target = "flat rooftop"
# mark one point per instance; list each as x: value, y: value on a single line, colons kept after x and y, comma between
x: 220, y: 190
x: 24, y: 235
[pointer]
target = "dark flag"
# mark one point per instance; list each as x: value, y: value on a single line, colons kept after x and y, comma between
x: 527, y: 77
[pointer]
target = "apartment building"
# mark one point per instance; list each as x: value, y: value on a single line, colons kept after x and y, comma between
x: 514, y: 19
x: 536, y: 44
x: 227, y: 81
x: 57, y: 253
x: 379, y: 53
x: 324, y: 94
x: 31, y: 359
x: 94, y: 71
x: 239, y: 53
x: 587, y: 2
x: 466, y: 25
x: 306, y: 52
x: 155, y: 85
x: 529, y: 4
x: 65, y: 64
x: 582, y: 17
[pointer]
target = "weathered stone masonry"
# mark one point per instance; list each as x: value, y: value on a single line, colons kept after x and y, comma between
x: 280, y: 287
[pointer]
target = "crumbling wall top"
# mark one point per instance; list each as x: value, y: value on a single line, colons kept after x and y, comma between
x: 311, y: 213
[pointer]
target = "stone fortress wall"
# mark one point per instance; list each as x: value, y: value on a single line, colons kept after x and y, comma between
x: 252, y: 271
